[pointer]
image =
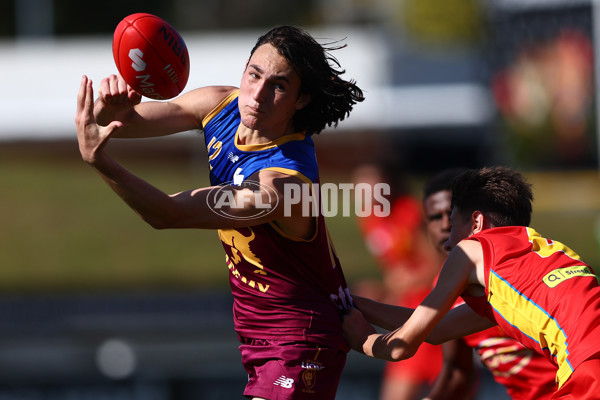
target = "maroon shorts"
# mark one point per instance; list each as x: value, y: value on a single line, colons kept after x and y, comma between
x: 279, y: 370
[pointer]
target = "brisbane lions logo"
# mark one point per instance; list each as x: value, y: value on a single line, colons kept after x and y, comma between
x: 240, y: 245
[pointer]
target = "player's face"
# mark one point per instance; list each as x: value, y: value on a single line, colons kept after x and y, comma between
x: 269, y: 93
x: 461, y: 228
x: 437, y: 215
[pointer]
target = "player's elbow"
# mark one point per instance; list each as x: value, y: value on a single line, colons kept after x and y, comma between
x: 157, y: 223
x: 163, y: 221
x: 400, y: 350
x: 400, y: 353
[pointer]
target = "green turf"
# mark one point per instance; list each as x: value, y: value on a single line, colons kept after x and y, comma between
x: 64, y: 230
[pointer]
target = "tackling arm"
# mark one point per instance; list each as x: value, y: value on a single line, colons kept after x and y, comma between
x: 402, y: 343
x: 387, y: 316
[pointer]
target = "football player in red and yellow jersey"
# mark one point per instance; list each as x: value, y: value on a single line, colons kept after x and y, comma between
x: 535, y: 289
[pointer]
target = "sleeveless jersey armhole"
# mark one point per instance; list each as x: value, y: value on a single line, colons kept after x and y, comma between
x: 220, y: 107
x: 306, y: 180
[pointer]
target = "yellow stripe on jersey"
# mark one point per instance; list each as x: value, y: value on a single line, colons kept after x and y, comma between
x: 219, y: 108
x: 530, y: 319
x: 269, y: 145
x: 545, y: 248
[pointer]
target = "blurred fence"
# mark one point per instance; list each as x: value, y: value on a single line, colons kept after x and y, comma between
x: 169, y: 346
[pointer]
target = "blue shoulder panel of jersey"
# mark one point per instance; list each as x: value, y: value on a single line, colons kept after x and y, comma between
x: 232, y: 164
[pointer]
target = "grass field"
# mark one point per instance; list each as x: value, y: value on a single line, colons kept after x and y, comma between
x: 63, y: 230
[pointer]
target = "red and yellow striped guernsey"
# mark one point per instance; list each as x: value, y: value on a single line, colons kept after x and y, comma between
x: 541, y: 293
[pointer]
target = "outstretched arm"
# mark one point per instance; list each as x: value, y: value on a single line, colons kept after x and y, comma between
x: 403, y: 342
x: 189, y: 209
x: 117, y: 101
x: 93, y: 138
x: 386, y: 316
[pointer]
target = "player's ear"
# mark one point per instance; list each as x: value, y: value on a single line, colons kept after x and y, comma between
x: 478, y: 221
x: 302, y: 101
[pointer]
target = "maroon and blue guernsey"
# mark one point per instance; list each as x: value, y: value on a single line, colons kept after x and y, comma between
x: 284, y: 288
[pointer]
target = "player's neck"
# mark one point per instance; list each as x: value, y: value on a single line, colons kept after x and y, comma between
x: 247, y: 136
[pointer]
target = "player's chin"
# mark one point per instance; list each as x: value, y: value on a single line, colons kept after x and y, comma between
x: 251, y: 122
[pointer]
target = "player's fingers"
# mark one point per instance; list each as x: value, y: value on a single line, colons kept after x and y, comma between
x: 81, y: 94
x: 352, y: 314
x: 114, y: 85
x: 124, y: 89
x: 107, y: 87
x: 79, y: 114
x: 134, y: 96
x: 89, y: 99
x: 119, y: 87
x: 113, y: 127
x: 103, y: 89
x: 122, y: 85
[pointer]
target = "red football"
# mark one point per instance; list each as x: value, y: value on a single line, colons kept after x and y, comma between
x: 151, y: 56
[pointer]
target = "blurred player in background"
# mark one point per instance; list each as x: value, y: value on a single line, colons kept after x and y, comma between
x: 525, y: 374
x: 287, y: 283
x: 399, y: 245
x: 537, y: 290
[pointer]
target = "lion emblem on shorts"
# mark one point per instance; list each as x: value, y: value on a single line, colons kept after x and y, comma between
x: 308, y: 377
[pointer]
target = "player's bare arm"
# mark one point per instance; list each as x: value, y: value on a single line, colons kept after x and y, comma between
x: 195, y: 208
x: 390, y: 317
x: 457, y: 323
x: 118, y: 101
x: 192, y: 208
x: 386, y: 316
x: 457, y: 274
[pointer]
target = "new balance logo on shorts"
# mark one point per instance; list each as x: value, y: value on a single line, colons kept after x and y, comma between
x: 284, y: 382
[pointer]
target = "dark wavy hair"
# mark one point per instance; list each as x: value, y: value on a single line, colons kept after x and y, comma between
x: 441, y: 181
x: 500, y: 193
x: 331, y: 98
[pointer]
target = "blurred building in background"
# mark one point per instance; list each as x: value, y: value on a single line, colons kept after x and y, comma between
x: 455, y: 80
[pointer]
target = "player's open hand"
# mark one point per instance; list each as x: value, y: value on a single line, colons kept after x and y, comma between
x: 91, y: 137
x: 115, y: 97
x: 356, y: 329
